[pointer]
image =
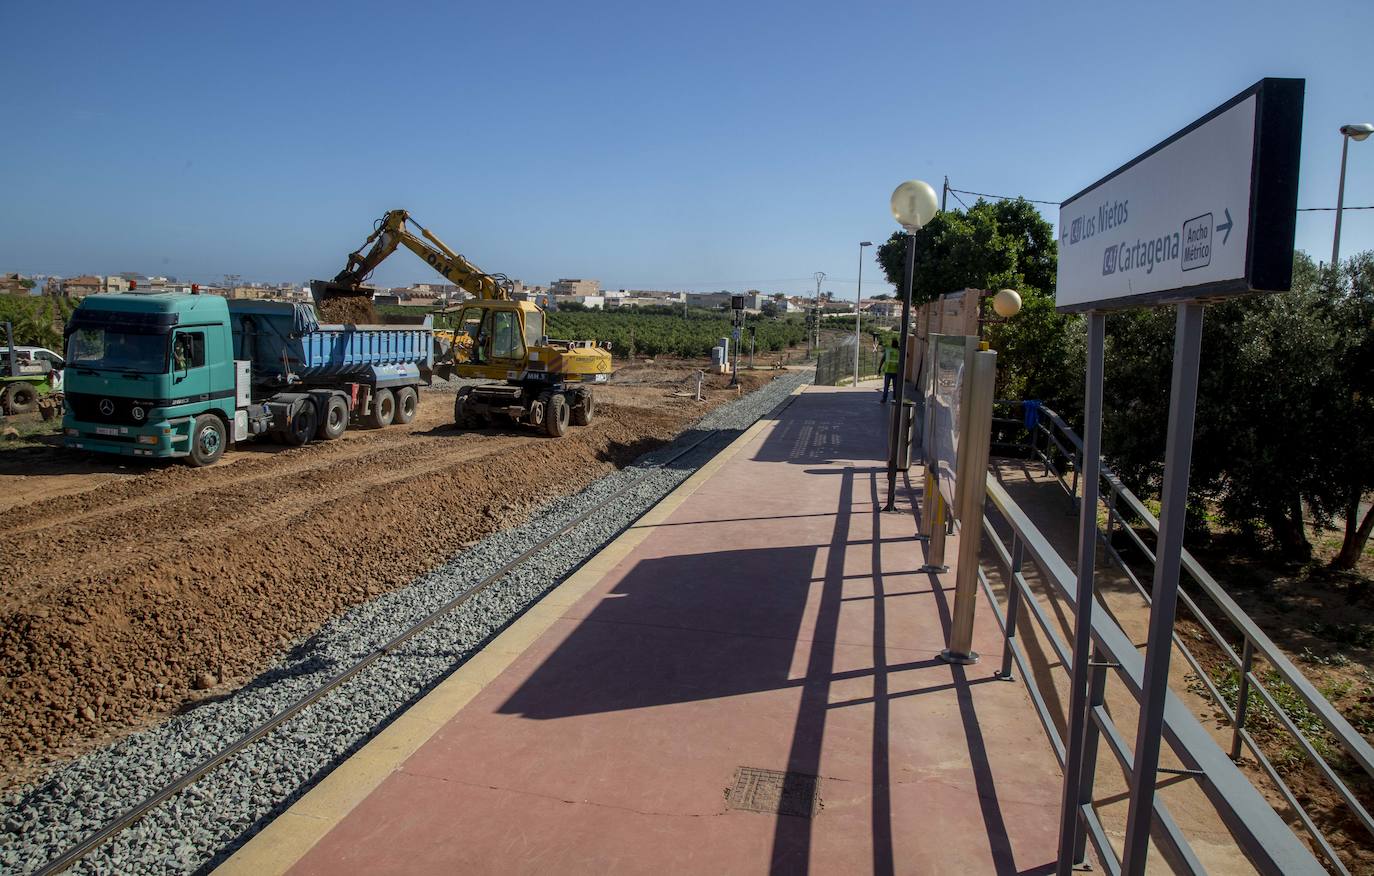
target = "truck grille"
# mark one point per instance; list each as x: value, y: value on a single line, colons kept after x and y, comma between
x: 90, y: 408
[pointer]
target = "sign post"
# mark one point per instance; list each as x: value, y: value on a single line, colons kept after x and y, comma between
x: 1208, y: 213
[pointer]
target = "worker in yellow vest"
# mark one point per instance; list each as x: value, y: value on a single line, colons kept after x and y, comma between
x: 890, y: 359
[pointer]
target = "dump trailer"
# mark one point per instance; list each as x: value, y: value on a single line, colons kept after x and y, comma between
x: 177, y: 375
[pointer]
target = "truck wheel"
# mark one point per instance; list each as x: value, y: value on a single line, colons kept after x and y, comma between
x: 303, y: 423
x: 207, y: 440
x: 585, y: 408
x: 407, y: 400
x: 383, y: 409
x: 22, y: 398
x: 335, y: 419
x: 556, y: 415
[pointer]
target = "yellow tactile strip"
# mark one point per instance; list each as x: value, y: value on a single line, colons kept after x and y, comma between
x: 293, y: 833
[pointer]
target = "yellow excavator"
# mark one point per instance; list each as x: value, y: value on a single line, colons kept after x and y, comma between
x: 544, y: 382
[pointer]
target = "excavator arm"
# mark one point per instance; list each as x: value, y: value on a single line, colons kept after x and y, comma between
x: 391, y: 231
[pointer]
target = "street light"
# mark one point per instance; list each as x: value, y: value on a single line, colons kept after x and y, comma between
x: 1348, y: 133
x: 858, y: 306
x: 913, y: 206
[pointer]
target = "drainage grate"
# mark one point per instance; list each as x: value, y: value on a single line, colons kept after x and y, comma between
x: 775, y: 792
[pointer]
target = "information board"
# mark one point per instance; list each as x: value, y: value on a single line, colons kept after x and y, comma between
x: 1208, y: 212
x: 950, y: 361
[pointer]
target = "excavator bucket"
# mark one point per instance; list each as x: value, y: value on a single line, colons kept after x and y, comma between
x: 340, y: 302
x: 324, y: 290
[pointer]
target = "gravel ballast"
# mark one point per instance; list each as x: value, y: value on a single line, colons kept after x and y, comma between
x: 203, y: 824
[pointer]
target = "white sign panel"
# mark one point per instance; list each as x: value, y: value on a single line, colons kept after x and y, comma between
x: 1188, y: 218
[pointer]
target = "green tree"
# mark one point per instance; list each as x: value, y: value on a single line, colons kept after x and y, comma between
x: 1349, y: 296
x: 993, y: 245
x: 1284, y: 432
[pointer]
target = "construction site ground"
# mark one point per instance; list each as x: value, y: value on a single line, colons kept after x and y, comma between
x: 135, y: 589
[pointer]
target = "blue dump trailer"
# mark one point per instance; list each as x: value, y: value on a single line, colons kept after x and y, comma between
x: 164, y: 375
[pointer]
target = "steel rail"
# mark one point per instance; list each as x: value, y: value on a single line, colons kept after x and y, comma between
x: 190, y: 777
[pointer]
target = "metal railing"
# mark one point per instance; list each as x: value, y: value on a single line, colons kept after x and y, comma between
x: 1059, y: 448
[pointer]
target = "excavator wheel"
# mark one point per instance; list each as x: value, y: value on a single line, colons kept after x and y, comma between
x: 585, y: 408
x: 462, y: 417
x: 556, y: 415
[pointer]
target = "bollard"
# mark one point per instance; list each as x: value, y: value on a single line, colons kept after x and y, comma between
x: 905, y: 413
x: 935, y: 546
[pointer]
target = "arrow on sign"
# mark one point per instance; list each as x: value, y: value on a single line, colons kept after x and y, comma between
x: 1226, y: 226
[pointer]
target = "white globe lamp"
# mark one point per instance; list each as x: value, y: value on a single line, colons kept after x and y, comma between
x: 914, y: 204
x: 1007, y: 303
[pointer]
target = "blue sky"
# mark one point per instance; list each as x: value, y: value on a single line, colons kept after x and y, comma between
x: 701, y: 145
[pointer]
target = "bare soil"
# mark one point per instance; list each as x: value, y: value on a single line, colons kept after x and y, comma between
x: 357, y: 310
x: 123, y: 583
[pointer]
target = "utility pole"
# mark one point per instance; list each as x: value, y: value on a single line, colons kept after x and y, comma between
x: 944, y: 195
x: 816, y: 313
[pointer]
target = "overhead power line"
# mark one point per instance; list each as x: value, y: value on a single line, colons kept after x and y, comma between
x: 1056, y: 203
x: 999, y: 197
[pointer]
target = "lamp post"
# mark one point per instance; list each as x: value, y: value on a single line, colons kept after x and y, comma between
x: 1348, y: 133
x: 858, y: 306
x: 913, y: 205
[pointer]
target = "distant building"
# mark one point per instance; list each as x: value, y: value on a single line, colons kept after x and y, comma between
x: 662, y: 296
x: 639, y: 301
x: 591, y: 302
x: 883, y: 308
x: 753, y: 301
x: 12, y: 284
x: 80, y: 287
x: 575, y: 287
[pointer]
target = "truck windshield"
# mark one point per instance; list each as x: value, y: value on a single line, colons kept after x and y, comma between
x: 117, y: 350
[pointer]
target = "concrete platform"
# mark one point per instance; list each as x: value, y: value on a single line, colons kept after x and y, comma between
x: 767, y: 615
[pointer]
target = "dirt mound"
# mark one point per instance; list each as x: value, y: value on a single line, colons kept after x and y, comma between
x: 118, y: 601
x: 356, y: 309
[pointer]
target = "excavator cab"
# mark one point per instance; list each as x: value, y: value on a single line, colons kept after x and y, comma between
x: 501, y: 333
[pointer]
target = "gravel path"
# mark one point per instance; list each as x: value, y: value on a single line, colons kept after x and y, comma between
x: 202, y: 825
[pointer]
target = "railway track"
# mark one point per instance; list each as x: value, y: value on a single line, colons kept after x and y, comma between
x: 186, y: 778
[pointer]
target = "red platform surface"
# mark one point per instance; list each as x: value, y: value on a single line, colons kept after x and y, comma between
x: 774, y: 620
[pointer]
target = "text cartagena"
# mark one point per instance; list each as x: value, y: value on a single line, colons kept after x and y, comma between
x: 1127, y: 256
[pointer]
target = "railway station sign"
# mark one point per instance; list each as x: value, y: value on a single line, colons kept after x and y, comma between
x: 1209, y: 212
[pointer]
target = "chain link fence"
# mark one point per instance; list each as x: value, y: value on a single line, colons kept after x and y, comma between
x: 835, y: 366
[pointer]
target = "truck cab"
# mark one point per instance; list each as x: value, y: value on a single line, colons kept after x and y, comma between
x: 143, y: 369
x: 177, y: 375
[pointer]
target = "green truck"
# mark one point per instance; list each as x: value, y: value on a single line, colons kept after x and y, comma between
x: 175, y: 375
